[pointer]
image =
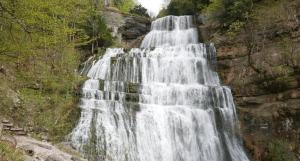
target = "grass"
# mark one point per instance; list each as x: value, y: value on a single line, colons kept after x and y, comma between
x: 47, y: 87
x: 9, y: 153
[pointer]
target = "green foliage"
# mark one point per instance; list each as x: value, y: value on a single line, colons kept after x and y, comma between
x: 34, y: 24
x: 290, y: 54
x: 37, y: 51
x: 97, y: 33
x: 139, y: 10
x: 124, y: 5
x: 48, y: 92
x: 184, y: 7
x: 278, y: 151
x: 230, y: 12
x: 234, y: 28
x: 277, y: 79
x: 9, y: 153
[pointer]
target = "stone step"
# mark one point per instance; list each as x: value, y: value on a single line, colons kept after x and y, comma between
x: 21, y: 133
x: 16, y: 129
x: 9, y: 125
x: 5, y: 121
x: 6, y: 128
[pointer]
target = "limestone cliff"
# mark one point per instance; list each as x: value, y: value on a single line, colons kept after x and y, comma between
x: 261, y: 65
x: 128, y: 30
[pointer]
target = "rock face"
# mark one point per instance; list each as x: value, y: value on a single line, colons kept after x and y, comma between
x: 268, y: 100
x: 128, y: 29
x: 35, y: 150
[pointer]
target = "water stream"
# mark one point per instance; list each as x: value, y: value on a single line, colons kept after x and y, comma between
x: 160, y: 102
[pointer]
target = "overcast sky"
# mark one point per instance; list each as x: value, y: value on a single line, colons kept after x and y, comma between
x: 153, y: 6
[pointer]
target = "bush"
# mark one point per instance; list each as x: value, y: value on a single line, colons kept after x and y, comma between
x: 276, y: 79
x: 278, y: 151
x: 124, y: 5
x: 139, y: 10
x: 98, y: 35
x: 228, y: 11
x: 185, y: 7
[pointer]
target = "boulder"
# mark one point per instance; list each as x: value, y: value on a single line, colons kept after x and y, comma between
x: 54, y: 157
x: 44, y: 151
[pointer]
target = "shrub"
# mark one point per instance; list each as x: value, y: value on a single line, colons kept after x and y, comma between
x: 276, y: 79
x: 228, y: 11
x: 185, y: 7
x: 124, y: 5
x: 98, y: 35
x: 139, y: 10
x: 278, y: 151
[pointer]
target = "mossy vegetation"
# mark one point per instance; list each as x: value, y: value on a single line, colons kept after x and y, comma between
x: 41, y: 49
x: 184, y: 7
x: 124, y: 5
x: 9, y: 153
x: 278, y: 151
x: 139, y: 10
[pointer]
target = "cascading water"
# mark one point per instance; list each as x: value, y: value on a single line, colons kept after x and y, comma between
x: 163, y: 102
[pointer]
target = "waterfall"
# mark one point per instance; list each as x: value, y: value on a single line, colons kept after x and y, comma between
x: 160, y: 102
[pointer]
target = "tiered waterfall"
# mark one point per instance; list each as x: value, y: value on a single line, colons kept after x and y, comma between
x: 160, y: 102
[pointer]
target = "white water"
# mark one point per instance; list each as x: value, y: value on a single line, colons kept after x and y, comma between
x: 163, y: 102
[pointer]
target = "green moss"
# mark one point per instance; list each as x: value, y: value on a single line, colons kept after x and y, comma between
x: 52, y: 111
x: 47, y: 87
x: 278, y: 151
x: 37, y: 51
x: 9, y: 153
x: 124, y: 5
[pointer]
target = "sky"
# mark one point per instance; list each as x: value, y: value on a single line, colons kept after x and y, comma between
x: 153, y: 6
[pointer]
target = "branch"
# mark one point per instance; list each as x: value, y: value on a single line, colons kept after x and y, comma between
x: 13, y: 18
x: 250, y: 44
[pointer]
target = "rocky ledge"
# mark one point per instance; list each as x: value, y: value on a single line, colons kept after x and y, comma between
x: 35, y: 150
x: 261, y: 64
x: 128, y: 29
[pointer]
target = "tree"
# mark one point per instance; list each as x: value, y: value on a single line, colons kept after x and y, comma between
x: 139, y: 10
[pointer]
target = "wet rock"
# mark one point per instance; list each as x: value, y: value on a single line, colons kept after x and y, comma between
x: 133, y: 87
x: 132, y: 97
